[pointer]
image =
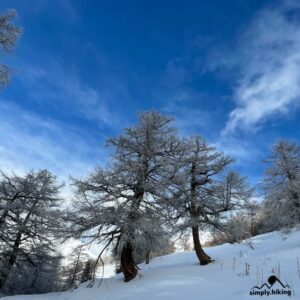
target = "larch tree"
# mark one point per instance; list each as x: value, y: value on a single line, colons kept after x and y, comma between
x: 282, y: 185
x: 30, y: 220
x: 202, y: 192
x: 119, y: 205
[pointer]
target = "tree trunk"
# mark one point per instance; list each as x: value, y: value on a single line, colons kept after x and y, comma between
x: 204, y: 259
x: 127, y: 263
x: 147, y: 257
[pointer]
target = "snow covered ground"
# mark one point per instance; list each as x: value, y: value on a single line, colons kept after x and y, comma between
x: 236, y: 270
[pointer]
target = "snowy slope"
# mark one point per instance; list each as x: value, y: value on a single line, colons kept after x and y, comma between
x: 237, y: 269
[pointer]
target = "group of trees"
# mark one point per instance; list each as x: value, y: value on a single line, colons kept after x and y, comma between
x: 156, y: 188
x: 32, y: 225
x: 156, y: 185
x: 79, y: 269
x: 280, y: 204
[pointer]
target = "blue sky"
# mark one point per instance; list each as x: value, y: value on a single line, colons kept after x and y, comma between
x: 226, y: 70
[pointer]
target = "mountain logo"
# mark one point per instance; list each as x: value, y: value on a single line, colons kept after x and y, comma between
x: 274, y: 286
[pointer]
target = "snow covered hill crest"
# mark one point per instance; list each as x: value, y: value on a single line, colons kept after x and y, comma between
x: 237, y: 269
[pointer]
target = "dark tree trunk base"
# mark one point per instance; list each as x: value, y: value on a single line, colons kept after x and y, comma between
x: 128, y: 266
x: 204, y: 259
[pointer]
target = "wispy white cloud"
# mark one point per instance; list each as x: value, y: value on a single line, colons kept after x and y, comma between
x: 64, y: 89
x: 28, y: 141
x: 268, y: 64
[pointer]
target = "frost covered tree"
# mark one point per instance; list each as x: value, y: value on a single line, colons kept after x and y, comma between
x: 282, y: 186
x: 8, y: 37
x: 203, y: 192
x: 30, y: 220
x: 119, y: 205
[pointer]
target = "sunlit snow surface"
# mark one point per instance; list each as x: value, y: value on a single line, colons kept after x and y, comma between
x: 179, y: 275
